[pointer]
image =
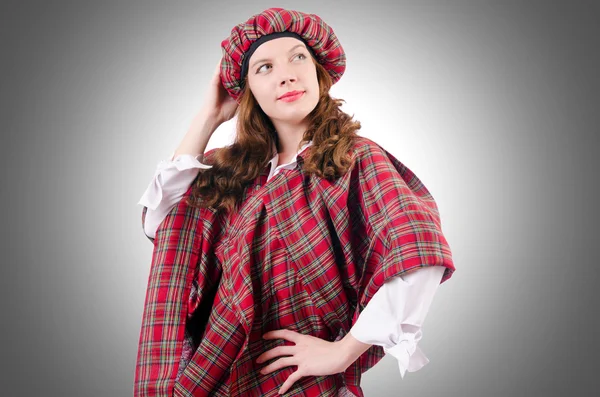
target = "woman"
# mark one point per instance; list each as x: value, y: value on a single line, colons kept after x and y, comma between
x: 296, y: 234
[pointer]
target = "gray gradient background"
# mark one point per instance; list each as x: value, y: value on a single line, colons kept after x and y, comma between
x: 493, y: 105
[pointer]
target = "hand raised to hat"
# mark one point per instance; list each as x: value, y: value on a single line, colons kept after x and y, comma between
x: 218, y: 103
x: 312, y: 355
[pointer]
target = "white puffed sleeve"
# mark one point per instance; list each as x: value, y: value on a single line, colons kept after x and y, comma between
x: 171, y: 180
x: 395, y: 314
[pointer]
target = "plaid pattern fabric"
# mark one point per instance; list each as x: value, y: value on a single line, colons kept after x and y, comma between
x: 317, y: 34
x: 301, y: 253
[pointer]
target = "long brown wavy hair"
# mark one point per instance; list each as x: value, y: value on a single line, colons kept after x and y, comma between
x: 236, y: 166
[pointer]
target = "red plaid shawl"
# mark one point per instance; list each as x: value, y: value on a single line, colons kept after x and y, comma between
x: 301, y: 253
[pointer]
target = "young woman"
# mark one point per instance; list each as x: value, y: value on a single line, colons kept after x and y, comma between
x: 292, y: 260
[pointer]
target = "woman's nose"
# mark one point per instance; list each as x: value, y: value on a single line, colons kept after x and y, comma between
x: 289, y: 78
x: 287, y: 75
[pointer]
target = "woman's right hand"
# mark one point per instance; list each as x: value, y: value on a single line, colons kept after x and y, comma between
x: 218, y: 103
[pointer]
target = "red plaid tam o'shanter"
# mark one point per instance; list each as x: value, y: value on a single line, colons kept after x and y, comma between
x: 245, y: 37
x: 301, y: 253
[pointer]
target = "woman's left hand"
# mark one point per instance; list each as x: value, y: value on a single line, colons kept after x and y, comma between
x: 312, y: 355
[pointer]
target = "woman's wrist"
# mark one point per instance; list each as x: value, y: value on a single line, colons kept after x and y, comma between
x: 209, y: 114
x: 205, y: 122
x: 196, y: 139
x: 352, y: 348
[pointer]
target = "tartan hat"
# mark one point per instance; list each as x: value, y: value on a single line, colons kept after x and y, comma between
x: 270, y: 24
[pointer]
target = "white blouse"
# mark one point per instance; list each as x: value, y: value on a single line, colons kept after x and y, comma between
x: 394, y: 316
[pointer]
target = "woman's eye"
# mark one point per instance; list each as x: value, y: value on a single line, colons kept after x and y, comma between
x: 258, y: 70
x: 266, y: 64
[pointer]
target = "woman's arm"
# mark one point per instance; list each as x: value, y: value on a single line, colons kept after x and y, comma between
x: 201, y: 129
x: 170, y: 182
x: 173, y: 177
x: 394, y: 316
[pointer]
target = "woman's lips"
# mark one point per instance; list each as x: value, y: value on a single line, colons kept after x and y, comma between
x: 292, y: 98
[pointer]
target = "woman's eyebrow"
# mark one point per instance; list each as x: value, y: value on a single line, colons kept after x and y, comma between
x: 267, y: 59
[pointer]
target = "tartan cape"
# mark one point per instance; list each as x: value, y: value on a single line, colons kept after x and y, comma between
x: 301, y: 253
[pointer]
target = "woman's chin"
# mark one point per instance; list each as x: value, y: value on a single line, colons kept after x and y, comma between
x: 292, y: 115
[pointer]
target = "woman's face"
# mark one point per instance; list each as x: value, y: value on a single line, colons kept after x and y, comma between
x: 277, y: 67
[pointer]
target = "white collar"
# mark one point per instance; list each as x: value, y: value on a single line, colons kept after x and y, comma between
x: 276, y: 155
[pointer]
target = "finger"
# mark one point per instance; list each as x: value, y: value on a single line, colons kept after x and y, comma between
x: 275, y: 352
x: 290, y: 381
x: 217, y: 72
x: 287, y: 334
x: 281, y: 363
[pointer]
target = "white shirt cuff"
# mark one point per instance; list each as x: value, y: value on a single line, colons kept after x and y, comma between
x: 394, y: 316
x: 170, y: 174
x: 410, y: 357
